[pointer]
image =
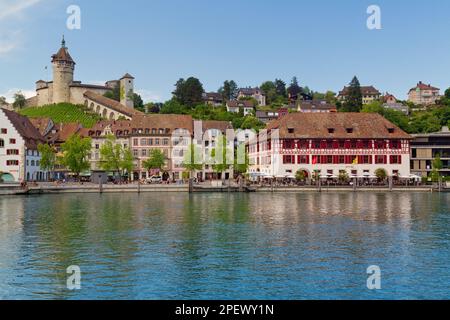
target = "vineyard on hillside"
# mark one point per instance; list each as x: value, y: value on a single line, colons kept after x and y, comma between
x: 63, y: 113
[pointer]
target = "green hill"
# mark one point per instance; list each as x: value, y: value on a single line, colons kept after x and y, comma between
x: 63, y: 113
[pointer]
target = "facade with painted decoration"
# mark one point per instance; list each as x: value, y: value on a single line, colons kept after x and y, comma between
x: 330, y: 144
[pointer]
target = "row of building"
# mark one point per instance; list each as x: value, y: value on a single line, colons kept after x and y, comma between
x: 327, y: 143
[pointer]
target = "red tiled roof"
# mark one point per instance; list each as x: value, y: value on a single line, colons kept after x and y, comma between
x: 112, y: 104
x: 423, y: 86
x: 318, y: 125
x: 240, y: 103
x: 25, y: 128
x: 62, y: 55
x: 162, y: 121
x: 42, y: 124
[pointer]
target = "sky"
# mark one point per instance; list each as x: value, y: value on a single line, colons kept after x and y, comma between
x: 322, y: 42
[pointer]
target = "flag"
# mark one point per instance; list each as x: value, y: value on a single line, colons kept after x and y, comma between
x: 355, y: 161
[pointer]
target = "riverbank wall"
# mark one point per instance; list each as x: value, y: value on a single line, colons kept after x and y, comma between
x: 134, y: 188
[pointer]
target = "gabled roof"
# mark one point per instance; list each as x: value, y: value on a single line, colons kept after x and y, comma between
x: 423, y: 86
x: 162, y: 121
x: 62, y: 55
x: 219, y: 125
x: 240, y: 103
x: 318, y: 125
x: 42, y: 124
x: 316, y: 105
x: 365, y: 90
x: 112, y: 104
x: 250, y: 91
x: 25, y: 128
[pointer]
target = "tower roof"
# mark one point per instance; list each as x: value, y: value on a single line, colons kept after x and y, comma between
x: 63, y: 54
x: 127, y: 76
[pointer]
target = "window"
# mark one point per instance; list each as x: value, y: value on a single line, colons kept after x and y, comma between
x: 97, y: 146
x: 379, y: 159
x: 331, y: 130
x: 165, y: 141
x: 12, y: 162
x: 12, y: 152
x: 4, y: 131
x: 135, y: 152
x: 157, y: 142
x: 143, y: 142
x: 290, y: 130
x: 12, y: 141
x: 144, y: 152
x: 135, y: 142
x: 150, y: 142
x: 303, y: 159
x: 32, y: 163
x: 396, y: 159
x: 2, y: 143
x: 349, y: 130
x: 288, y: 160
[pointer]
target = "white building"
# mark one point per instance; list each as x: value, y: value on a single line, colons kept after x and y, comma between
x: 330, y: 144
x: 255, y: 93
x: 19, y: 156
x: 236, y: 106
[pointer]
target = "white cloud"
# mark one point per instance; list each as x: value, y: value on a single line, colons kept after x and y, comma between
x: 14, y: 8
x: 9, y: 95
x: 148, y: 95
x: 11, y: 37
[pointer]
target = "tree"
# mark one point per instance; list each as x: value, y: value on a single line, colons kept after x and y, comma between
x: 280, y: 87
x: 229, y: 90
x: 157, y: 160
x: 251, y: 122
x: 75, y: 154
x: 343, y: 176
x: 173, y: 106
x: 3, y: 101
x: 221, y: 157
x: 48, y: 157
x: 19, y: 100
x: 241, y: 160
x: 300, y: 175
x: 114, y: 157
x: 115, y: 94
x: 437, y: 166
x: 354, y: 101
x: 381, y: 174
x: 294, y: 89
x: 189, y: 92
x: 193, y: 159
x: 270, y: 90
x: 447, y: 93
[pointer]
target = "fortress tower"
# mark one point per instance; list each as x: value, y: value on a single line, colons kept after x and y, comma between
x: 63, y: 69
x: 127, y: 90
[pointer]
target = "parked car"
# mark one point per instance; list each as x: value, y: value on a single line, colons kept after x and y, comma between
x: 154, y: 179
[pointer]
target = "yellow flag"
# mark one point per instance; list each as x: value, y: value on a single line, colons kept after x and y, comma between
x: 355, y: 161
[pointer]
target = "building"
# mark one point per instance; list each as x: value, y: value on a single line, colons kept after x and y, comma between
x: 426, y: 147
x: 236, y: 106
x: 423, y: 94
x: 255, y: 93
x: 369, y: 94
x: 172, y: 134
x: 314, y: 106
x: 99, y: 133
x: 397, y: 107
x: 64, y: 89
x: 212, y: 131
x: 329, y: 144
x: 19, y: 155
x: 266, y: 116
x: 213, y: 99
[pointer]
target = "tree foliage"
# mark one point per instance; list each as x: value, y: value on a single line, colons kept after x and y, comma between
x: 19, y: 100
x: 116, y: 158
x: 75, y: 154
x: 189, y: 92
x: 229, y: 90
x: 48, y: 157
x: 157, y: 160
x: 354, y: 101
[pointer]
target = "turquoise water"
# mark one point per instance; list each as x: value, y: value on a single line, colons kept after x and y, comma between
x: 225, y: 246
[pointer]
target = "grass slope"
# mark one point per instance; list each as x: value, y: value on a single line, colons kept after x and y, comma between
x: 63, y: 113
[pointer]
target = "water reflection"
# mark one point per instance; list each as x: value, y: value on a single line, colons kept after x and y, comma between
x: 227, y: 246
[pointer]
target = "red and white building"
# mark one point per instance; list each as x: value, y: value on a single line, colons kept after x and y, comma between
x: 329, y: 143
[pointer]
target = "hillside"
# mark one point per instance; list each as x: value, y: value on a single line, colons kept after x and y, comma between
x: 63, y: 113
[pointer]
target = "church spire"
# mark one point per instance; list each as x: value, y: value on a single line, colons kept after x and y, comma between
x: 63, y: 42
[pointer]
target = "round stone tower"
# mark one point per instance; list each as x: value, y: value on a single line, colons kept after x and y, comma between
x: 63, y: 69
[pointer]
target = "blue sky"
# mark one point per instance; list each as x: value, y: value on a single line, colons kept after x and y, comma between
x: 322, y: 42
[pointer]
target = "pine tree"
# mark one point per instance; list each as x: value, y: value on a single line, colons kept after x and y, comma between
x: 354, y: 101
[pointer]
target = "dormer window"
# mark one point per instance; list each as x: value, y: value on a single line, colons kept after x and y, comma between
x: 331, y: 130
x: 391, y: 130
x: 349, y: 130
x: 291, y: 130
